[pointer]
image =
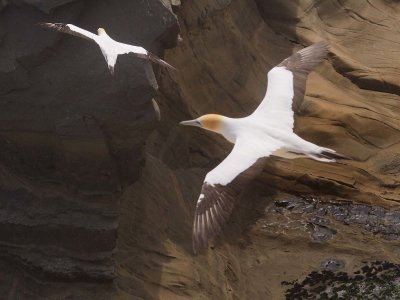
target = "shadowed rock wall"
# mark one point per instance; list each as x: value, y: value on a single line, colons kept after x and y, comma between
x: 71, y: 138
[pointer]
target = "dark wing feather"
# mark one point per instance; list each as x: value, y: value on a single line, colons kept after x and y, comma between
x: 225, y: 182
x: 156, y: 109
x: 301, y: 64
x: 70, y: 29
x: 215, y: 205
x: 152, y: 57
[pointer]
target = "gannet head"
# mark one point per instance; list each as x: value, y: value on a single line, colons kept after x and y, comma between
x: 212, y: 122
x: 101, y: 31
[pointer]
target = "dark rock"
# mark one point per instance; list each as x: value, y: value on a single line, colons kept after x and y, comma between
x: 322, y: 233
x: 341, y: 285
x: 316, y: 220
x: 375, y: 219
x: 332, y: 265
x: 71, y: 135
x: 44, y: 5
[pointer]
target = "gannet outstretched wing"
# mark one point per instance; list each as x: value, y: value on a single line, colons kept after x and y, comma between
x: 287, y: 84
x: 224, y: 183
x: 109, y: 47
x: 71, y: 29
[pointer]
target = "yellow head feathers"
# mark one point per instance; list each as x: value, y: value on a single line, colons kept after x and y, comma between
x: 211, y: 122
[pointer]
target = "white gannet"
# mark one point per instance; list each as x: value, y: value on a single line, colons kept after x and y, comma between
x: 267, y: 131
x: 109, y: 47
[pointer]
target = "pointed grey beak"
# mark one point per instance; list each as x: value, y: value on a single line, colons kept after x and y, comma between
x: 191, y: 123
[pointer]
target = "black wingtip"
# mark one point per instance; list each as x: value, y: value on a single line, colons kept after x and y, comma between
x: 166, y: 65
x: 43, y: 24
x: 323, y: 45
x: 154, y: 58
x: 111, y: 68
x: 54, y: 26
x: 156, y: 108
x: 335, y: 155
x: 196, y: 243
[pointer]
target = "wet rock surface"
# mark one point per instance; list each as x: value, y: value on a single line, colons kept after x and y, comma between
x: 332, y: 264
x: 375, y: 280
x: 375, y: 219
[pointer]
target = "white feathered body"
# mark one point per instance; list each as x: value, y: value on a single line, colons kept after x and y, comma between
x: 111, y: 48
x: 261, y: 131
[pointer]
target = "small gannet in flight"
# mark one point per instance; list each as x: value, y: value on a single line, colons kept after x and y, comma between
x: 110, y: 48
x: 267, y: 131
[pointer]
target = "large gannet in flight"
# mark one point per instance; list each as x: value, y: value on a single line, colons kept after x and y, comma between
x: 267, y: 131
x: 110, y: 48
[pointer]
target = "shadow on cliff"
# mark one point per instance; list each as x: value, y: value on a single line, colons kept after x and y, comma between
x: 163, y: 261
x: 251, y: 205
x: 249, y: 208
x: 160, y: 207
x: 72, y: 136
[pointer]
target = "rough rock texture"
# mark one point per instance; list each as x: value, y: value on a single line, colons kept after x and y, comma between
x: 352, y: 106
x: 71, y: 148
x: 374, y: 280
x: 71, y: 139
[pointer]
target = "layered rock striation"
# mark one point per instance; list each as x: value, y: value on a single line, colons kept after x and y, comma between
x: 71, y: 138
x: 351, y: 105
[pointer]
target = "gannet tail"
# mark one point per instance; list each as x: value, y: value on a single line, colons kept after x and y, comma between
x: 328, y: 155
x: 159, y: 61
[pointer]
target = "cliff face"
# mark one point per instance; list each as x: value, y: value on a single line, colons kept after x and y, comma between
x: 274, y: 234
x: 87, y: 171
x: 72, y: 137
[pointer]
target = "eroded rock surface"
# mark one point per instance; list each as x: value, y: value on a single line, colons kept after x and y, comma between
x: 374, y: 280
x: 71, y: 139
x: 351, y: 105
x: 376, y: 219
